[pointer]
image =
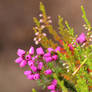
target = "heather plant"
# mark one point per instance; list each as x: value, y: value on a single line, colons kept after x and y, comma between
x: 65, y: 63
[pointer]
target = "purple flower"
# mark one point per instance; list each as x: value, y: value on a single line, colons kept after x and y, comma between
x: 47, y: 59
x: 34, y: 68
x: 50, y: 49
x: 81, y: 38
x: 31, y: 50
x: 55, y: 57
x: 36, y: 76
x: 28, y: 57
x: 35, y: 57
x: 47, y: 54
x: 54, y: 82
x: 53, y: 91
x: 39, y: 51
x: 20, y: 52
x: 27, y: 72
x: 71, y: 47
x: 18, y: 60
x: 31, y: 63
x: 30, y: 77
x: 23, y: 63
x: 57, y: 49
x: 48, y: 72
x: 51, y: 87
x: 40, y: 65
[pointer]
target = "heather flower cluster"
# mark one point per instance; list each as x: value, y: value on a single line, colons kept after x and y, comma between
x: 63, y: 66
x: 36, y: 62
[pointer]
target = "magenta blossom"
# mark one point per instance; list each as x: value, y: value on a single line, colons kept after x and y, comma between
x: 19, y: 60
x: 58, y: 49
x: 27, y: 72
x: 47, y: 59
x: 50, y: 50
x: 53, y: 91
x: 48, y: 72
x: 39, y: 51
x: 40, y: 65
x: 55, y: 57
x: 81, y: 38
x: 51, y: 87
x: 20, y: 52
x: 34, y: 68
x: 71, y: 47
x: 23, y: 63
x: 36, y: 76
x: 31, y: 63
x: 47, y: 54
x: 54, y: 82
x: 28, y: 57
x: 30, y: 77
x: 31, y: 50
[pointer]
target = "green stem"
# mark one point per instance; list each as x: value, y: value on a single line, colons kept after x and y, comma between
x: 81, y: 65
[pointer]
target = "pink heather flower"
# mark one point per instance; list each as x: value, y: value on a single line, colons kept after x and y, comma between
x: 71, y: 47
x: 47, y: 59
x: 36, y: 76
x: 20, y: 52
x: 30, y: 77
x: 39, y: 51
x: 31, y: 50
x: 81, y: 38
x: 40, y: 65
x: 48, y: 72
x: 33, y: 58
x: 18, y: 60
x: 34, y: 68
x: 31, y: 63
x: 47, y: 54
x: 55, y: 57
x: 53, y: 91
x: 50, y: 49
x: 23, y: 63
x: 54, y: 82
x: 27, y: 72
x: 51, y: 87
x: 28, y: 57
x: 57, y: 49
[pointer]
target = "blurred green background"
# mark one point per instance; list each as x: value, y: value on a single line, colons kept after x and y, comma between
x: 16, y: 22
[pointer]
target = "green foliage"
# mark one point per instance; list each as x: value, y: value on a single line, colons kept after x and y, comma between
x: 88, y: 24
x: 66, y: 34
x: 84, y: 16
x: 71, y: 30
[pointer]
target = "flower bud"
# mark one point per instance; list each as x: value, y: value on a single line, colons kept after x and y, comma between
x: 39, y: 51
x: 28, y: 57
x: 19, y: 60
x: 55, y: 57
x: 31, y: 50
x: 20, y: 52
x: 48, y: 72
x: 23, y: 63
x: 36, y: 76
x: 51, y: 87
x: 27, y: 72
x: 30, y: 77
